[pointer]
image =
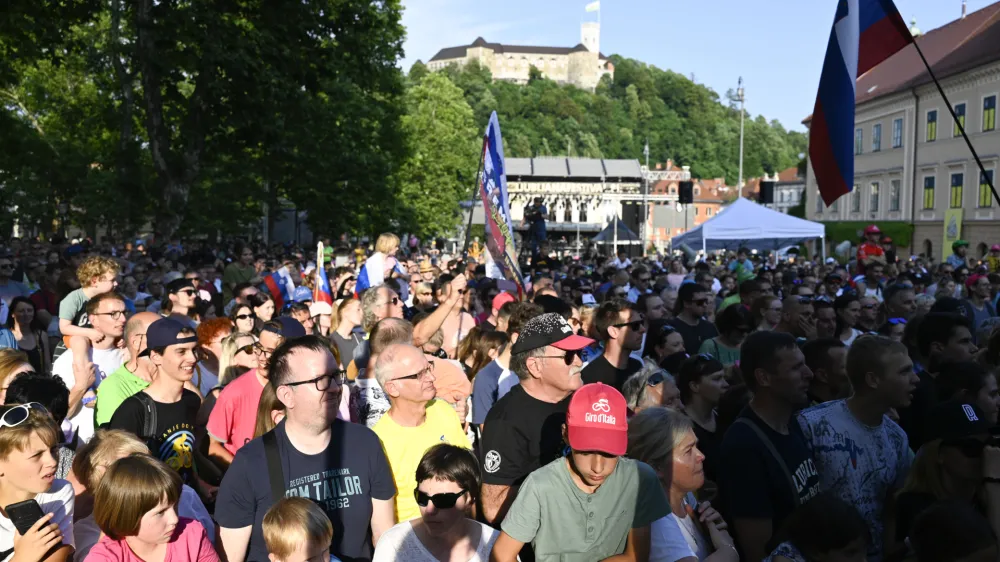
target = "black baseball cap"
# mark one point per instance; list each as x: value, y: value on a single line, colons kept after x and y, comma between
x: 549, y: 329
x: 178, y: 285
x: 164, y: 333
x: 955, y: 419
x: 290, y: 328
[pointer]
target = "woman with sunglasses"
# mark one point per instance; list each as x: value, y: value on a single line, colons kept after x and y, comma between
x: 702, y: 382
x: 950, y: 465
x: 447, y: 488
x: 243, y: 318
x: 649, y: 388
x: 662, y: 340
x: 28, y: 440
x: 847, y: 307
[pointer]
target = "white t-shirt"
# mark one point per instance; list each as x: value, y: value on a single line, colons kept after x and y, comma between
x: 507, y: 381
x: 86, y: 533
x: 401, y: 543
x: 107, y: 361
x: 58, y: 501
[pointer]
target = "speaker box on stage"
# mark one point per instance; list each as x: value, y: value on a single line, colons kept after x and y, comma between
x: 686, y: 194
x: 766, y: 193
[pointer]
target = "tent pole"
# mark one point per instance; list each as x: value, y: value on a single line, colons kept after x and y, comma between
x: 822, y: 241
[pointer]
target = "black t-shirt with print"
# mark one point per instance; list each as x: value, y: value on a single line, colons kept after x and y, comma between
x: 752, y: 482
x: 601, y: 370
x: 521, y: 434
x: 173, y: 440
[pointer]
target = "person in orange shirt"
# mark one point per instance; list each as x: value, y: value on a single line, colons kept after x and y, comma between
x: 871, y: 248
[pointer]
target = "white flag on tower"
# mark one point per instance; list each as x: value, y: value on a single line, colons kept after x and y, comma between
x: 593, y: 6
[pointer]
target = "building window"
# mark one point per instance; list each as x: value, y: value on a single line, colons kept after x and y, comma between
x: 583, y: 212
x: 855, y: 200
x: 960, y: 120
x: 708, y: 212
x: 932, y: 125
x: 836, y: 205
x: 897, y: 133
x: 929, y: 192
x: 985, y: 194
x: 894, y: 193
x: 859, y: 141
x: 873, y: 197
x: 989, y: 113
x: 956, y: 190
x: 876, y: 137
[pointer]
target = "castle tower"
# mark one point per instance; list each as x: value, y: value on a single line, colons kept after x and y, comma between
x: 590, y: 36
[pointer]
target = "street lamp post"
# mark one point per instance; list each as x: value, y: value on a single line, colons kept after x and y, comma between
x: 645, y: 201
x: 740, y: 94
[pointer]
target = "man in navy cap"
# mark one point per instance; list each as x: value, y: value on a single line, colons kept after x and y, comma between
x: 163, y: 414
x: 234, y: 417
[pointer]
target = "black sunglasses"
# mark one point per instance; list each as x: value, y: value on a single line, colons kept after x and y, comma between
x: 245, y: 316
x: 969, y: 447
x: 633, y: 325
x: 441, y: 501
x: 569, y: 357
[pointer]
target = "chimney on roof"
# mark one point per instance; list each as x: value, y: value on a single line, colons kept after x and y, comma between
x: 964, y: 9
x: 659, y: 166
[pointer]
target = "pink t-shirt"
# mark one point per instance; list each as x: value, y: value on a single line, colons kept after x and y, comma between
x: 189, y: 543
x: 234, y: 416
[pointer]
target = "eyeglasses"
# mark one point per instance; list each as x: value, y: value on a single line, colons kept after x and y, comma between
x: 246, y: 316
x: 644, y: 279
x: 188, y: 292
x: 114, y: 314
x: 969, y: 447
x: 17, y: 414
x: 897, y: 321
x: 633, y: 325
x: 441, y: 501
x: 429, y: 369
x: 394, y: 301
x: 261, y: 350
x: 322, y: 382
x: 869, y: 306
x: 568, y: 358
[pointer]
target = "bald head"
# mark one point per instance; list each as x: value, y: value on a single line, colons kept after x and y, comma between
x: 135, y: 326
x: 394, y: 360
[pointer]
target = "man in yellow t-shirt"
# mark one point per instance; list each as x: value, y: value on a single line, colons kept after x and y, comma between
x: 415, y: 421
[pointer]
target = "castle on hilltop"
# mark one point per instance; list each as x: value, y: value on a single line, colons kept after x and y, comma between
x: 582, y: 65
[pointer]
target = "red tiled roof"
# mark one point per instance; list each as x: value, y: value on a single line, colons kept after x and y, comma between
x: 791, y: 174
x: 956, y: 47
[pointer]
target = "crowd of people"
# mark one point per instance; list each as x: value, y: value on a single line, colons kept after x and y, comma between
x: 178, y: 402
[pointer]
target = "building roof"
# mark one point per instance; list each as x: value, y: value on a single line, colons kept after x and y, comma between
x: 953, y: 48
x: 791, y: 174
x: 573, y: 168
x: 459, y: 52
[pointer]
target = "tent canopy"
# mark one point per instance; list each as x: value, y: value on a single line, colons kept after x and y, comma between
x: 749, y: 225
x: 625, y: 234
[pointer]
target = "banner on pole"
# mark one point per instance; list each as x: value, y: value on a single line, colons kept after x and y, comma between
x: 952, y: 229
x: 496, y: 206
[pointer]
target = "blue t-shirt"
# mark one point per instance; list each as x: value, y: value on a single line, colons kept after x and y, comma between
x: 859, y: 464
x: 485, y: 391
x: 342, y: 480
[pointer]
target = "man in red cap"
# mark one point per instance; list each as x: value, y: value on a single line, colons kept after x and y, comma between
x: 592, y: 504
x: 870, y: 249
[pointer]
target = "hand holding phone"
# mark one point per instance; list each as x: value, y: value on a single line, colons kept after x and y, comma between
x: 38, y: 540
x: 24, y: 515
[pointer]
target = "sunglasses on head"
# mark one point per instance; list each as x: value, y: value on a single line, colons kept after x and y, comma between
x: 655, y: 379
x: 897, y: 321
x: 440, y: 501
x: 17, y: 414
x: 969, y: 447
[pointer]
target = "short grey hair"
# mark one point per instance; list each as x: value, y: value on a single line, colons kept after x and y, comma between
x: 388, y: 360
x: 519, y: 362
x: 654, y: 433
x: 633, y: 387
x: 368, y: 303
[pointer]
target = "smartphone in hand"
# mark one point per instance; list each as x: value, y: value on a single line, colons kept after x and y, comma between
x: 24, y: 515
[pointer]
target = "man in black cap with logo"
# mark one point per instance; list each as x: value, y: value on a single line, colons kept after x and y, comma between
x: 181, y: 298
x: 163, y: 414
x: 523, y: 430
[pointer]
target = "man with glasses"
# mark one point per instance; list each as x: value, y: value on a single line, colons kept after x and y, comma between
x: 415, y: 422
x: 131, y: 377
x: 868, y: 316
x: 234, y: 417
x: 641, y: 279
x: 310, y: 454
x: 693, y: 301
x: 621, y: 329
x: 523, y: 430
x: 106, y: 313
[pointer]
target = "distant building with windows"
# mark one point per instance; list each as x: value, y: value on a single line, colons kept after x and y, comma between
x: 788, y: 189
x: 911, y: 164
x: 582, y: 65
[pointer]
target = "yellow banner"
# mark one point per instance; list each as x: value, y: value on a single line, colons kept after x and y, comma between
x: 952, y: 230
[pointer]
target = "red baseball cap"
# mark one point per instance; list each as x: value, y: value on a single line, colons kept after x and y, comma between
x: 872, y: 230
x: 596, y: 420
x: 973, y: 279
x: 501, y: 299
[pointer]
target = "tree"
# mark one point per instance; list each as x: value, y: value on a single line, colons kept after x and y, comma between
x: 443, y: 143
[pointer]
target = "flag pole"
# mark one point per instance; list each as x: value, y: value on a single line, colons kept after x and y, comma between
x: 319, y: 265
x: 961, y: 126
x: 475, y: 194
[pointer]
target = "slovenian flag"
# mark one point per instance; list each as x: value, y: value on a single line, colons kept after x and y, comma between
x: 865, y: 33
x: 281, y: 287
x: 322, y: 293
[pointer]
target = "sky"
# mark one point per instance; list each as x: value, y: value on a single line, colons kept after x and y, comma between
x: 777, y: 46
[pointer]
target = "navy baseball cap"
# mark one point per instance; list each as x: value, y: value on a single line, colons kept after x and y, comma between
x: 164, y: 333
x: 290, y: 328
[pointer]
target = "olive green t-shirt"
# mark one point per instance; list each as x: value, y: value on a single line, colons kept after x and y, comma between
x: 113, y: 391
x: 233, y: 275
x: 563, y: 523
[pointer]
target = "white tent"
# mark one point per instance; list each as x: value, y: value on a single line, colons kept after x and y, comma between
x: 749, y: 225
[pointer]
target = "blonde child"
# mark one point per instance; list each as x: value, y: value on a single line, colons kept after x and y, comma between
x: 97, y: 275
x: 297, y: 530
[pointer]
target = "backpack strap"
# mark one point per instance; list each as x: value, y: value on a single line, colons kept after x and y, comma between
x: 149, y: 416
x: 274, y: 472
x: 777, y: 456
